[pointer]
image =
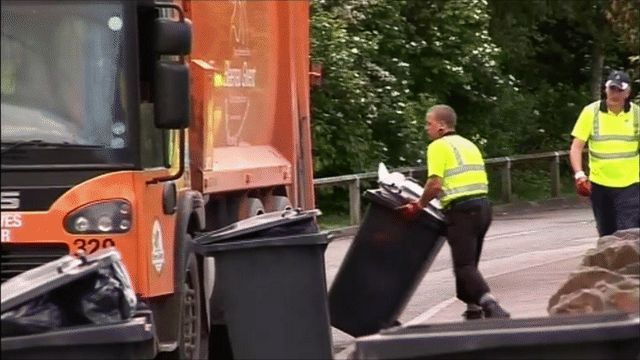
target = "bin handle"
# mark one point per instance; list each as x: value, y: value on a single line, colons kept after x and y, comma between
x: 390, y: 188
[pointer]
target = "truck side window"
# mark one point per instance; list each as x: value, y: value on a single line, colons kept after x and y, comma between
x: 153, y: 141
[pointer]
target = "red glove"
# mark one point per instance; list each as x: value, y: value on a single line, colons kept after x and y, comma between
x: 583, y: 186
x: 410, y: 211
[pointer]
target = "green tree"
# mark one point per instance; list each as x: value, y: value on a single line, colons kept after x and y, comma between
x: 517, y: 72
x: 570, y: 45
x: 340, y: 107
x: 362, y: 113
x: 457, y: 62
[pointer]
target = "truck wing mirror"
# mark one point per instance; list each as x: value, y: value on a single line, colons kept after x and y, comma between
x: 171, y: 95
x: 171, y: 84
x: 172, y: 37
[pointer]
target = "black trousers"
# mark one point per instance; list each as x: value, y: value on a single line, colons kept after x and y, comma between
x: 615, y: 208
x: 468, y: 223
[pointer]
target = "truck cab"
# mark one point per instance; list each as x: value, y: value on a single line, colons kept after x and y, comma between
x: 138, y: 124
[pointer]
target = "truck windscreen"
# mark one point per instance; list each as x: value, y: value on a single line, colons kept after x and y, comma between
x: 64, y: 78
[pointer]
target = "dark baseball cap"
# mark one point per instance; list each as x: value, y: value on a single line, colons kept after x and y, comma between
x: 619, y: 79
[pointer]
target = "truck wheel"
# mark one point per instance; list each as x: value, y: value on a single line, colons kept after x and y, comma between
x: 279, y: 203
x: 189, y: 342
x: 191, y: 332
x: 251, y: 207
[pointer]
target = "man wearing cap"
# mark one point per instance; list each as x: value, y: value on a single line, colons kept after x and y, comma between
x: 610, y: 126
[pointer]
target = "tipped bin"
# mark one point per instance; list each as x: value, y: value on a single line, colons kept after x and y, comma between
x: 387, y: 259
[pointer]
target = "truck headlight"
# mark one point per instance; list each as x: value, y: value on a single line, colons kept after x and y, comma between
x: 112, y: 216
x: 81, y: 224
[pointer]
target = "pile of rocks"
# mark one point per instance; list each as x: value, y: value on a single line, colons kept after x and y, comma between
x: 607, y: 279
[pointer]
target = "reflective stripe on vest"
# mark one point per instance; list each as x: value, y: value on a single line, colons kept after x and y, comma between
x: 467, y: 188
x: 608, y: 156
x: 613, y: 137
x: 636, y: 122
x: 462, y: 168
x: 626, y: 138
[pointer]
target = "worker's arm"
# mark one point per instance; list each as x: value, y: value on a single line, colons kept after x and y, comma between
x: 583, y: 186
x: 432, y: 188
x: 581, y: 133
x: 575, y: 154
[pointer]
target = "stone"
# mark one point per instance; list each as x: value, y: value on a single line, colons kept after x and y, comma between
x: 627, y: 301
x: 631, y: 270
x: 616, y: 255
x: 607, y: 279
x: 579, y: 302
x: 584, y: 279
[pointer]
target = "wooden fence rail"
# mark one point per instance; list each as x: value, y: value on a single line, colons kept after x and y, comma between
x: 353, y: 181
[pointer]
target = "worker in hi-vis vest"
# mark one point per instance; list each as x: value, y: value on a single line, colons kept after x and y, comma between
x: 610, y: 127
x: 456, y: 175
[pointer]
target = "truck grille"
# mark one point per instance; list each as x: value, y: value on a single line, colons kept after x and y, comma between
x: 18, y: 258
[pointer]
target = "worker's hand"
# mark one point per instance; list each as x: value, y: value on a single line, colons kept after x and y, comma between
x: 583, y: 186
x: 410, y: 211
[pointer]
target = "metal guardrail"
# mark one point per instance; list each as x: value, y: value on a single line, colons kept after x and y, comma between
x: 505, y: 162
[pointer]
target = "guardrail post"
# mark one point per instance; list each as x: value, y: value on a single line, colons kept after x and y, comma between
x: 555, y: 175
x: 506, y: 180
x: 354, y: 201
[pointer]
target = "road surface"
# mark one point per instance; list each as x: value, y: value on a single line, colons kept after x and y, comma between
x: 549, y: 239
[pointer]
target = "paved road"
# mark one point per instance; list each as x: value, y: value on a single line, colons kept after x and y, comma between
x: 517, y: 241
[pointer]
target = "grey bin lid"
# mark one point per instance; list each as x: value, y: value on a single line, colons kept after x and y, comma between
x: 41, y: 280
x: 392, y: 199
x: 449, y: 340
x: 281, y: 241
x: 245, y: 228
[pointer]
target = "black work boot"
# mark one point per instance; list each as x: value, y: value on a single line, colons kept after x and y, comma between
x: 473, y: 312
x: 492, y: 309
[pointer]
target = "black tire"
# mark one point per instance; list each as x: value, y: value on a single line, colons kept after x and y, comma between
x: 190, y: 340
x: 252, y: 207
x: 279, y: 203
x: 190, y: 334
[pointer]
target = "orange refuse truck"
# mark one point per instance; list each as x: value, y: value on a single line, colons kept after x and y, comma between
x: 137, y: 124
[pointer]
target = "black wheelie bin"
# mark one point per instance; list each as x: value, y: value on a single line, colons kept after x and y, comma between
x: 387, y: 259
x: 271, y: 283
x: 75, y: 308
x: 601, y: 336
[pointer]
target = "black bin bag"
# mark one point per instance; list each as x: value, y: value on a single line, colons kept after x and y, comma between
x: 36, y: 316
x: 75, y: 308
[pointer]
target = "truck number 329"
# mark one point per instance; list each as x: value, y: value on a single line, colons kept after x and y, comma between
x: 90, y: 246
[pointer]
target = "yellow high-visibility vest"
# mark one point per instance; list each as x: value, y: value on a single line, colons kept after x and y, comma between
x: 614, y: 149
x: 464, y: 171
